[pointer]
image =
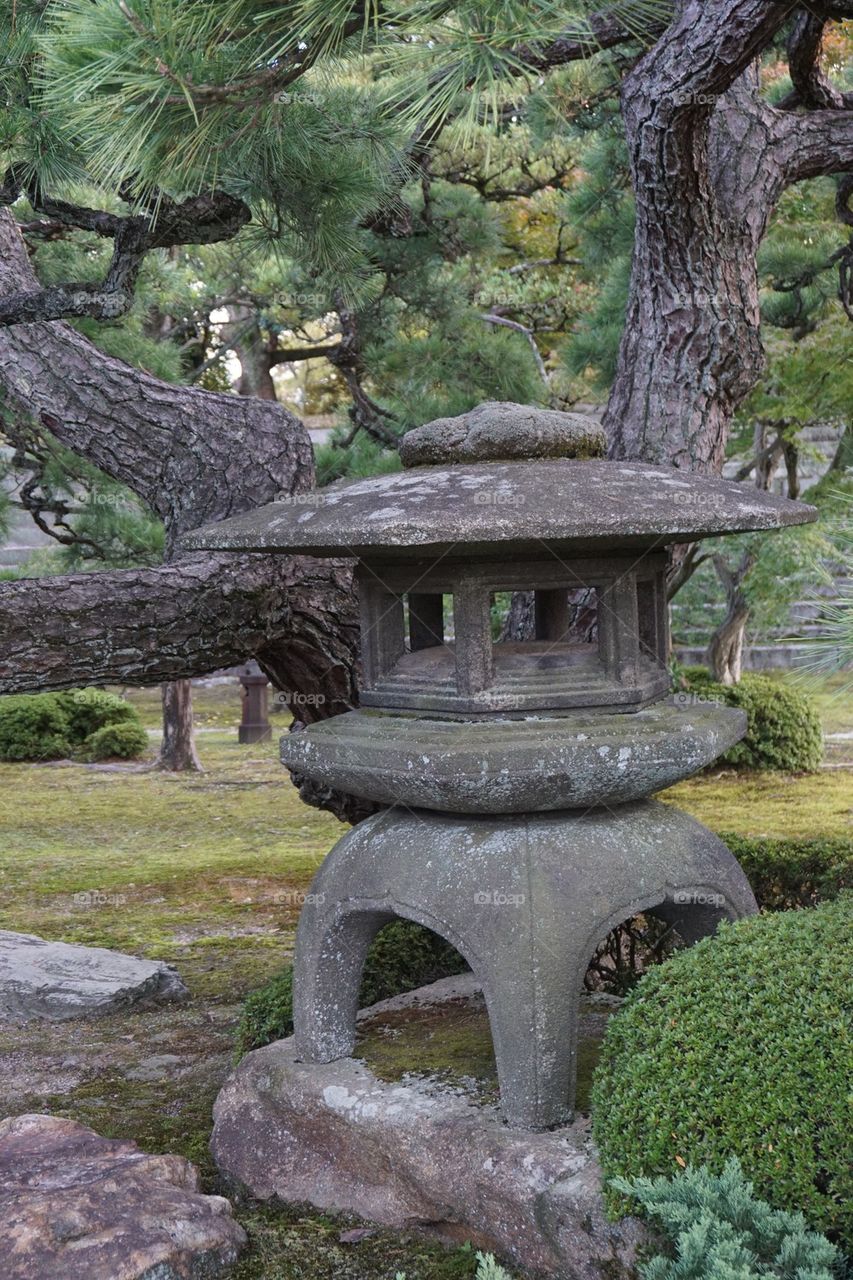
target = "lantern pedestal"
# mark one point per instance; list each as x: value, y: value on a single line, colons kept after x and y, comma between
x: 525, y: 899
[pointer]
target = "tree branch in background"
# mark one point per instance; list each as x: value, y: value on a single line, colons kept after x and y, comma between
x: 203, y: 219
x: 805, y: 49
x: 607, y: 30
x: 528, y: 333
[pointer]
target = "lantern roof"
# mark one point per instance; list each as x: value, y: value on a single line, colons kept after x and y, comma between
x: 489, y: 509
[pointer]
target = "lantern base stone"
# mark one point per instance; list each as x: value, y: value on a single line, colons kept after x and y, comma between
x: 525, y: 899
x: 418, y: 1154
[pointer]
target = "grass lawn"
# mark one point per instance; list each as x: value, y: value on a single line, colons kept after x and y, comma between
x: 207, y: 872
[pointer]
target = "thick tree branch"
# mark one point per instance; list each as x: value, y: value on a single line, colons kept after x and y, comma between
x: 197, y: 614
x: 193, y: 456
x: 814, y: 144
x: 291, y: 355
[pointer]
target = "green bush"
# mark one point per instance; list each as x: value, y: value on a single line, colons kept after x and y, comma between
x: 741, y: 1046
x: 52, y: 726
x: 787, y: 873
x: 404, y: 955
x: 91, y: 709
x: 116, y: 741
x: 783, y: 725
x: 720, y: 1231
x: 34, y: 727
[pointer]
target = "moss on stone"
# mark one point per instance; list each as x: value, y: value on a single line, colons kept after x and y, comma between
x: 452, y: 1043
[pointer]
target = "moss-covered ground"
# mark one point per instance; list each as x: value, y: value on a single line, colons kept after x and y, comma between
x: 207, y: 872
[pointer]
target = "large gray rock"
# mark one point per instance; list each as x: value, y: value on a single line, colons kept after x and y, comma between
x: 57, y: 980
x: 499, y: 431
x: 418, y: 1154
x: 75, y: 1206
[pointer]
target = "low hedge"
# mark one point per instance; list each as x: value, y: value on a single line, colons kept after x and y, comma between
x: 741, y: 1046
x: 786, y: 873
x: 54, y: 726
x: 783, y: 725
x: 403, y: 956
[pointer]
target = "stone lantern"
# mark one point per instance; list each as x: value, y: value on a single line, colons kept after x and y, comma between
x: 514, y: 775
x: 254, y: 720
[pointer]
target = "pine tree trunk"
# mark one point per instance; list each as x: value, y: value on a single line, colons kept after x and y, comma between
x: 725, y: 648
x: 709, y: 160
x: 243, y: 335
x: 178, y: 753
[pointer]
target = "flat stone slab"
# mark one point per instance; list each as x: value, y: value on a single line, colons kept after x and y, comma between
x: 58, y: 980
x: 491, y: 509
x: 526, y: 765
x: 75, y: 1206
x: 420, y: 1152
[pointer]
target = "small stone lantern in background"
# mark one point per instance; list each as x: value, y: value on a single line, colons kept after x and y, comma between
x: 254, y: 722
x: 515, y: 775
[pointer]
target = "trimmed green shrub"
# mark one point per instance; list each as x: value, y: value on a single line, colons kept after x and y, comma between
x: 783, y: 724
x: 91, y: 709
x: 34, y: 726
x: 116, y: 741
x: 794, y: 873
x: 741, y: 1046
x: 403, y: 956
x: 720, y: 1231
x: 52, y: 726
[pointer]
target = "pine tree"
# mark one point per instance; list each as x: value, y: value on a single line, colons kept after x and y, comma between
x: 316, y: 131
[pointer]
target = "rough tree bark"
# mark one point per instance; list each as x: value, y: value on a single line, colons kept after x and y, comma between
x: 243, y: 335
x: 725, y: 649
x: 193, y: 456
x: 709, y: 161
x: 177, y: 752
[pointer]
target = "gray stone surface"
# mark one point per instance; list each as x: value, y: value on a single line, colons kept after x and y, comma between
x: 58, y: 980
x: 412, y: 1155
x: 75, y: 1206
x: 499, y: 431
x: 525, y: 900
x: 489, y: 508
x: 512, y: 766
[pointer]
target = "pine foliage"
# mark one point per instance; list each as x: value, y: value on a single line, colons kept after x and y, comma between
x: 720, y: 1230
